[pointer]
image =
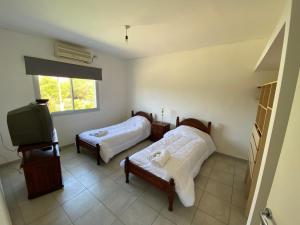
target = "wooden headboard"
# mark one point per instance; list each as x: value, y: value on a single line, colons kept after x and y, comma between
x: 194, y: 123
x: 144, y: 114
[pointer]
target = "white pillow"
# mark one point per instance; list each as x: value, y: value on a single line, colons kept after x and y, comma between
x: 188, y: 131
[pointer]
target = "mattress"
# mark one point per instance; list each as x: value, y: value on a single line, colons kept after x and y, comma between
x: 189, y: 148
x: 119, y: 137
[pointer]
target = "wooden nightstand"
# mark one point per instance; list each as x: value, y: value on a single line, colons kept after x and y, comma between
x: 158, y: 129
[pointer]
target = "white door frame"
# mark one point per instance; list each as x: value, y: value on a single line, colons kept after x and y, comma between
x: 287, y: 79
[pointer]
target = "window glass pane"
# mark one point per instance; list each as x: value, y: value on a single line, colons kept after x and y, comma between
x: 58, y: 91
x: 84, y: 92
x: 65, y: 93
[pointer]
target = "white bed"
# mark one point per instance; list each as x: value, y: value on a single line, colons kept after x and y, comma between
x: 189, y: 148
x: 117, y: 138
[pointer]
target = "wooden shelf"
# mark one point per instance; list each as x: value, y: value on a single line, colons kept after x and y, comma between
x: 271, y: 82
x: 259, y: 134
x: 259, y: 131
x: 262, y: 106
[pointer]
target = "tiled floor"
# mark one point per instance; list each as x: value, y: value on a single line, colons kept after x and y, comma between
x: 98, y: 195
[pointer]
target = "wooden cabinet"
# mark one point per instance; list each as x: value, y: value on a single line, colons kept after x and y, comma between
x: 41, y: 165
x: 158, y: 129
x: 258, y: 137
x: 42, y: 171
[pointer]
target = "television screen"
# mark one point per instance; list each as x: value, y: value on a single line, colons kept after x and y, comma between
x: 30, y: 124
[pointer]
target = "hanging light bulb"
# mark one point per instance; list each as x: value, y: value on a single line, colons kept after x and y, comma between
x: 126, y: 29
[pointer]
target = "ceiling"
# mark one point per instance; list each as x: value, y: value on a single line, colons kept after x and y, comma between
x: 158, y: 26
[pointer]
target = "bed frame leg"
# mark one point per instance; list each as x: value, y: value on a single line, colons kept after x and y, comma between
x: 77, y: 143
x: 171, y: 193
x: 126, y: 169
x: 98, y: 154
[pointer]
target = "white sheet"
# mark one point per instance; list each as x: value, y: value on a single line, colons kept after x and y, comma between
x: 189, y: 148
x: 118, y: 137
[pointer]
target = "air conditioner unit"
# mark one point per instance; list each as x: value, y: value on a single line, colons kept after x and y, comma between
x: 71, y: 51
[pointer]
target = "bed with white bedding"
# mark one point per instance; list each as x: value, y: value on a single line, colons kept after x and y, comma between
x: 109, y: 141
x: 188, y: 146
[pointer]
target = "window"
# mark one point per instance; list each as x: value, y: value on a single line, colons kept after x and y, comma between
x: 67, y: 94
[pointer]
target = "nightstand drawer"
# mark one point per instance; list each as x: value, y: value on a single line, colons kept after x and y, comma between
x: 158, y: 129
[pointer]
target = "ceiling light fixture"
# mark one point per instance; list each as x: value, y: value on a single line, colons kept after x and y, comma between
x: 126, y: 29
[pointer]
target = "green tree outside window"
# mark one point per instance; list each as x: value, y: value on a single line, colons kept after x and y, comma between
x: 66, y: 94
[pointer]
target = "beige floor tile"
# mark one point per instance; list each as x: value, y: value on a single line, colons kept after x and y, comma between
x: 239, y: 183
x: 18, y: 185
x: 241, y: 172
x: 10, y: 196
x: 139, y: 214
x: 88, y: 157
x: 180, y: 215
x: 155, y: 198
x: 237, y: 216
x: 239, y: 198
x: 104, y: 188
x: 222, y: 177
x: 226, y: 159
x: 224, y: 166
x: 79, y: 205
x: 206, y: 169
x: 55, y: 217
x: 81, y: 170
x: 162, y: 221
x: 136, y: 185
x: 134, y: 202
x: 117, y: 222
x: 20, y: 192
x: 91, y: 178
x: 103, y: 169
x: 66, y: 176
x: 71, y: 189
x: 16, y: 215
x: 215, y: 207
x: 118, y: 176
x: 199, y: 193
x: 118, y: 201
x: 201, y: 181
x: 241, y: 168
x: 98, y: 215
x: 33, y: 209
x: 211, y: 160
x: 67, y: 155
x: 69, y: 164
x: 202, y: 218
x: 219, y: 190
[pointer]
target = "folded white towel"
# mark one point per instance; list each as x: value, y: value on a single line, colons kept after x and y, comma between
x: 100, y: 133
x: 160, y: 158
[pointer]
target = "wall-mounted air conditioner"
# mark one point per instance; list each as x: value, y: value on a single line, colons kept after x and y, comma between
x: 71, y: 51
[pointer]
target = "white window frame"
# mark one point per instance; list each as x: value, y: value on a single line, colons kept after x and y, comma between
x: 37, y: 94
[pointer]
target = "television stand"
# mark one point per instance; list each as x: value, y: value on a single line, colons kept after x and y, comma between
x: 42, y: 169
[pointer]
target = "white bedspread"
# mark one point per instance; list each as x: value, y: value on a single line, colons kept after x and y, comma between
x: 189, y: 148
x: 115, y: 139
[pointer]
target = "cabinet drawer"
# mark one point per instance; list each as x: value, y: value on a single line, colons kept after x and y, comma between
x: 251, y: 164
x: 156, y: 136
x: 253, y: 149
x: 157, y: 132
x: 256, y: 136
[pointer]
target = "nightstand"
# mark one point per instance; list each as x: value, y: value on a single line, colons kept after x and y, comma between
x: 158, y: 129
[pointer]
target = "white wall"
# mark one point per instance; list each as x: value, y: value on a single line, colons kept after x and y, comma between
x: 285, y: 204
x: 16, y: 88
x: 215, y: 83
x: 212, y: 84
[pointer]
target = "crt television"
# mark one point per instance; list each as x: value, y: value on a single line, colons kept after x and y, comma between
x: 30, y: 124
